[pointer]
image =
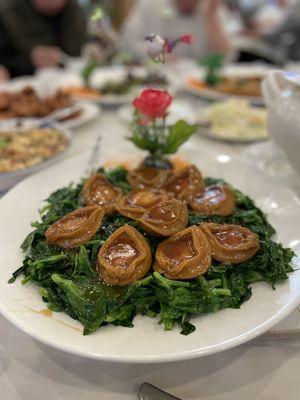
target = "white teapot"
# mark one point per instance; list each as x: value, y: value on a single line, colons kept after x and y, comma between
x: 281, y: 92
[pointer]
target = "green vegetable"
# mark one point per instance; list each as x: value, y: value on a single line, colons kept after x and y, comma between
x: 86, y: 299
x: 213, y: 65
x: 88, y: 71
x: 178, y: 134
x: 160, y: 140
x: 68, y: 280
x: 4, y: 141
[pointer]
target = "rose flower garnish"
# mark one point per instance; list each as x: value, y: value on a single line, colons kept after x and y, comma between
x: 153, y: 103
x: 150, y: 130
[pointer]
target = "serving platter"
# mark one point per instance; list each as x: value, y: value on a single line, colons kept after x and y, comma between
x: 245, y: 70
x: 73, y: 81
x: 215, y: 95
x: 147, y: 342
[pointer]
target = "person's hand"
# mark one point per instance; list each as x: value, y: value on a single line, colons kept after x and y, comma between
x: 211, y: 7
x: 45, y: 56
x: 4, y: 74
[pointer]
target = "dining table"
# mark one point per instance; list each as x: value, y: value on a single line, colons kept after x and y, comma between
x: 260, y: 370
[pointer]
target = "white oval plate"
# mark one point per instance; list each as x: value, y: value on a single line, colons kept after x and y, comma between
x: 244, y: 70
x: 147, y: 342
x: 214, y: 95
x: 209, y: 134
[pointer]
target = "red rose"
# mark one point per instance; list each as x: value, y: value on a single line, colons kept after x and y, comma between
x: 153, y: 103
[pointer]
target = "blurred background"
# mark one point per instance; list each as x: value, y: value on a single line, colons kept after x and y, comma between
x: 45, y: 33
x: 88, y: 59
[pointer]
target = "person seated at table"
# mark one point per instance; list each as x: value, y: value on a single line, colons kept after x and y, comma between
x: 174, y: 18
x: 12, y: 63
x: 41, y: 31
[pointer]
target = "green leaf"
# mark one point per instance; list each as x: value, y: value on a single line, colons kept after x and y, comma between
x: 87, y: 300
x: 16, y: 273
x: 82, y: 264
x: 178, y: 134
x: 187, y: 327
x: 213, y: 64
x: 28, y: 241
x: 144, y: 141
x: 213, y: 61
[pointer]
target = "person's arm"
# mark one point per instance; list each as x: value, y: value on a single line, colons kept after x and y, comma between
x: 218, y: 38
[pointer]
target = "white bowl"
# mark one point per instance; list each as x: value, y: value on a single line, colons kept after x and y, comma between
x: 281, y: 92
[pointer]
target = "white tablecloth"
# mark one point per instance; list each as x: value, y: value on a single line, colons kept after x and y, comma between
x: 31, y: 371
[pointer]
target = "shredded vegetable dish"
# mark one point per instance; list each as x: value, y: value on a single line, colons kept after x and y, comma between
x: 236, y: 119
x: 26, y: 148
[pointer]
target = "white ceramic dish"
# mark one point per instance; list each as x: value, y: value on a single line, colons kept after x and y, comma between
x: 8, y: 180
x: 102, y: 75
x: 146, y: 342
x: 208, y: 133
x: 89, y: 111
x: 214, y: 95
x: 244, y: 70
x: 282, y: 95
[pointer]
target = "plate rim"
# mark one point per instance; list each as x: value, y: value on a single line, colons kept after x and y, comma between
x: 214, y: 95
x: 79, y: 121
x: 155, y: 359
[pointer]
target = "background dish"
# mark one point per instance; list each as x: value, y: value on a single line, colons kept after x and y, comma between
x: 236, y: 71
x: 73, y: 82
x: 147, y: 342
x: 234, y: 121
x: 214, y: 95
x: 7, y: 180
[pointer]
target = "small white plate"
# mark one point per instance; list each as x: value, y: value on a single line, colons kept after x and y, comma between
x: 206, y: 131
x: 147, y: 342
